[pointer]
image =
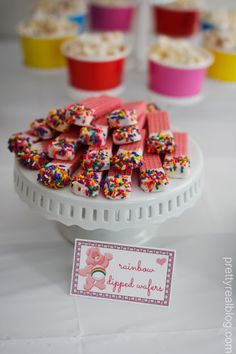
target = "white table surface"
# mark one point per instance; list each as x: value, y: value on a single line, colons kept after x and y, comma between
x: 37, y: 315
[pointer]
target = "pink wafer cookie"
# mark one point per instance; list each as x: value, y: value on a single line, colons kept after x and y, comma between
x: 126, y: 135
x: 130, y: 134
x: 84, y: 112
x: 130, y: 156
x: 152, y: 176
x: 117, y: 184
x: 35, y: 156
x: 56, y: 119
x: 57, y: 174
x: 142, y: 120
x: 160, y: 138
x: 177, y: 164
x: 86, y: 183
x: 19, y: 141
x: 139, y: 106
x: 41, y: 129
x: 98, y: 158
x: 65, y: 146
x: 127, y: 115
x: 95, y: 134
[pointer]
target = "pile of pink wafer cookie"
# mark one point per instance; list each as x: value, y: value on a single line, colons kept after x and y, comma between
x: 99, y: 144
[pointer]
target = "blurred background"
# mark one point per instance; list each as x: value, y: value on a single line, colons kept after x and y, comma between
x: 13, y: 11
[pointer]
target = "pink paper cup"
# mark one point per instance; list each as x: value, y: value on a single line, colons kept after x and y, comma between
x: 177, y: 81
x: 111, y: 18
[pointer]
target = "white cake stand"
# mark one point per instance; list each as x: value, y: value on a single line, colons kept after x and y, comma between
x: 109, y: 220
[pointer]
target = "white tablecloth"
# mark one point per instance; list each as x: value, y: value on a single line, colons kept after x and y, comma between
x: 38, y: 316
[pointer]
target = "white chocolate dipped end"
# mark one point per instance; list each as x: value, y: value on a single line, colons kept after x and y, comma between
x: 152, y: 175
x: 86, y: 183
x: 117, y: 185
x: 177, y: 164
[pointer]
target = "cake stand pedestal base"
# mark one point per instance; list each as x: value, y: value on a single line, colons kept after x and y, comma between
x: 130, y: 236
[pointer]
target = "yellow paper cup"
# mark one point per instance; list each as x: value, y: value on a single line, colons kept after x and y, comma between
x: 43, y: 53
x: 224, y: 66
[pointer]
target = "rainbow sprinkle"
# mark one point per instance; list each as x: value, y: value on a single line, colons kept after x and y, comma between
x: 80, y: 115
x: 153, y: 180
x: 32, y: 159
x: 173, y: 164
x: 87, y: 181
x: 127, y: 135
x: 56, y: 120
x: 96, y: 160
x: 42, y: 129
x: 54, y: 176
x: 162, y: 142
x: 122, y: 117
x: 63, y: 149
x: 19, y: 141
x: 127, y: 161
x: 117, y: 186
x: 95, y: 136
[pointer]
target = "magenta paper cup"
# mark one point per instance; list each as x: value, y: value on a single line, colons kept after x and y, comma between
x: 111, y: 18
x: 177, y: 81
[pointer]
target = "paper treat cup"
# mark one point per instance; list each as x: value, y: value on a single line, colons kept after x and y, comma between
x: 95, y: 74
x: 224, y: 66
x: 176, y: 81
x: 176, y: 22
x: 111, y: 18
x: 43, y: 53
x: 80, y: 20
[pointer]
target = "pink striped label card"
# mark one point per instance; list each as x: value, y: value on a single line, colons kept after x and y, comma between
x: 121, y: 272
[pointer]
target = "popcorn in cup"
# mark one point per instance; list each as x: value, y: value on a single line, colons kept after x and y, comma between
x: 95, y: 61
x: 111, y: 15
x: 223, y: 19
x: 41, y: 40
x: 73, y: 10
x: 178, y: 19
x: 177, y: 68
x: 222, y: 44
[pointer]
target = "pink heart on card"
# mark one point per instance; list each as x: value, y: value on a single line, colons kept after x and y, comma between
x: 161, y: 261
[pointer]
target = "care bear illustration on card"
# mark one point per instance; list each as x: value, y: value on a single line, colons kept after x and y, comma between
x: 95, y: 270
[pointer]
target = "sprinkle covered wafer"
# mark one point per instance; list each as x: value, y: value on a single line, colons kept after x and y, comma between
x: 35, y: 156
x: 130, y: 156
x: 65, y: 146
x: 95, y: 134
x: 177, y: 164
x: 152, y: 176
x: 41, y: 129
x: 126, y: 135
x: 84, y: 112
x: 160, y: 137
x: 127, y: 115
x: 130, y: 134
x: 57, y: 174
x: 98, y: 158
x: 117, y: 184
x: 19, y: 141
x: 86, y: 183
x: 56, y: 119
